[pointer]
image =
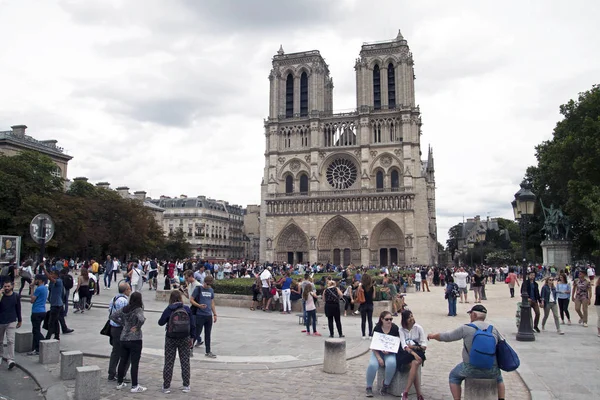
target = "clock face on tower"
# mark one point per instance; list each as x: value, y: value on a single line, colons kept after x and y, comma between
x: 341, y: 173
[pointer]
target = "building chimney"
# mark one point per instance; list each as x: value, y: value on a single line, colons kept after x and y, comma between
x: 139, y: 195
x: 123, y: 191
x: 103, y: 185
x: 19, y: 130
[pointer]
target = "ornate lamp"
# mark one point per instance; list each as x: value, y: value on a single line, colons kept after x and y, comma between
x: 523, y: 207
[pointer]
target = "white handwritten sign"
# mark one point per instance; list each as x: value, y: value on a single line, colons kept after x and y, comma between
x: 382, y: 342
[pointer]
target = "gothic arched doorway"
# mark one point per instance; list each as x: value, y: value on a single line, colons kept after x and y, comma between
x: 292, y: 245
x: 339, y: 242
x: 387, y: 244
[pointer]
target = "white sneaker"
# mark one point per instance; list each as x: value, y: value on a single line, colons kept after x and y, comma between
x: 585, y: 324
x: 364, y: 338
x: 185, y: 389
x: 166, y: 391
x: 121, y: 386
x: 561, y: 332
x: 138, y: 389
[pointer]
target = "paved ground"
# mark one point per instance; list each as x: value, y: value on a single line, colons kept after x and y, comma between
x: 264, y: 354
x: 17, y: 385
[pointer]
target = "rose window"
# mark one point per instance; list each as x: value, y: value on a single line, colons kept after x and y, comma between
x: 341, y: 173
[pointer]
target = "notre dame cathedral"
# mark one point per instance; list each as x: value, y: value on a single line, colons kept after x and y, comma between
x: 347, y: 187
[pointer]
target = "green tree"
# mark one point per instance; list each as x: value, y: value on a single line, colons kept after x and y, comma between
x: 176, y: 246
x: 452, y: 241
x: 567, y: 173
x: 23, y: 176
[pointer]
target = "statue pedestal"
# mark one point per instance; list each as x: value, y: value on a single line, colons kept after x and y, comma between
x: 557, y: 253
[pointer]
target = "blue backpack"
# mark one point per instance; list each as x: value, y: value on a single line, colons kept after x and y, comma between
x: 483, y: 349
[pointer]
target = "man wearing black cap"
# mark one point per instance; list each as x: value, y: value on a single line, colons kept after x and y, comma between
x: 465, y: 369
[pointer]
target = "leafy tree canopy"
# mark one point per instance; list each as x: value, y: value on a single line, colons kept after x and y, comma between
x: 567, y: 173
x: 89, y: 221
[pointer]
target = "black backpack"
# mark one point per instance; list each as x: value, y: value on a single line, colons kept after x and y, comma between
x: 179, y: 324
x: 67, y: 281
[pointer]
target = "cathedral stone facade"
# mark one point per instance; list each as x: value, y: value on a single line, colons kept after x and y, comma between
x: 347, y: 187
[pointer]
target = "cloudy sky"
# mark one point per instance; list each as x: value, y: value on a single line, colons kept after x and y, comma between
x: 170, y: 96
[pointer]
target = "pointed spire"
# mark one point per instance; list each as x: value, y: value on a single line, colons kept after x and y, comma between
x: 280, y: 51
x: 430, y: 166
x: 399, y: 37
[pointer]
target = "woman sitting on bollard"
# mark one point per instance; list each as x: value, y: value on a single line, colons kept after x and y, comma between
x: 382, y: 358
x: 413, y: 343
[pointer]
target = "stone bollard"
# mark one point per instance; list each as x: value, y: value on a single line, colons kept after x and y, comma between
x: 334, y: 359
x: 49, y: 351
x: 481, y: 389
x: 69, y: 361
x: 87, y: 383
x: 398, y: 383
x: 23, y: 341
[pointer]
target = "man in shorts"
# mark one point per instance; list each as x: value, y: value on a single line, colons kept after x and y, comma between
x: 266, y: 278
x: 460, y: 278
x: 464, y: 369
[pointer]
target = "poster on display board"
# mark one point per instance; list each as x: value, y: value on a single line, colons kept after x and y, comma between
x: 10, y: 249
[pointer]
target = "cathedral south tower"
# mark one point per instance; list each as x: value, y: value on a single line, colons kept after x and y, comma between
x: 347, y: 188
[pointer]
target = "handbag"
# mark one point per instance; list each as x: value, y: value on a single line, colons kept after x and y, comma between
x: 507, y: 358
x: 507, y: 280
x: 106, y: 329
x: 76, y: 297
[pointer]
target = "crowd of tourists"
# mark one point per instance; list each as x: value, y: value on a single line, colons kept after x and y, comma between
x: 344, y: 291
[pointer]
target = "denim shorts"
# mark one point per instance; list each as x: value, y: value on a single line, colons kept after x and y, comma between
x: 465, y: 370
x: 462, y: 290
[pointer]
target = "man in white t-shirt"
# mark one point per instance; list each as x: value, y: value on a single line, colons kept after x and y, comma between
x: 136, y: 278
x: 591, y: 273
x: 460, y: 278
x: 265, y: 278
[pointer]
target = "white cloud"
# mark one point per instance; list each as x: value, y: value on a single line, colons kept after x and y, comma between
x: 170, y: 97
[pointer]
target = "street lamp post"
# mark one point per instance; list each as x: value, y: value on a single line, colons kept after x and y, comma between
x: 472, y: 249
x: 523, y: 207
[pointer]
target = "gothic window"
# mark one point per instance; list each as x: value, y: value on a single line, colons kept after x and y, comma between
x: 303, y: 184
x: 391, y: 87
x: 377, y: 133
x: 304, y: 95
x: 392, y: 132
x: 304, y: 137
x: 376, y: 88
x: 395, y: 180
x: 287, y: 140
x: 289, y: 184
x: 289, y: 96
x: 341, y: 173
x: 379, y: 181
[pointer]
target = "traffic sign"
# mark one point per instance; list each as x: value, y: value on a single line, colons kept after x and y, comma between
x: 36, y: 228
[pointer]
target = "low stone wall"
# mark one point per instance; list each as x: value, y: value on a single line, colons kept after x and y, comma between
x: 244, y: 301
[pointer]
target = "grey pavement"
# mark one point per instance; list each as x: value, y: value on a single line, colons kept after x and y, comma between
x: 18, y: 384
x: 265, y: 354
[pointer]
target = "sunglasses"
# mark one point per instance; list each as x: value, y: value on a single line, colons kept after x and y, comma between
x: 388, y: 319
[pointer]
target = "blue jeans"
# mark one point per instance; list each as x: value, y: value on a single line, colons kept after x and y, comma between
x: 417, y: 286
x: 311, y: 316
x: 465, y: 370
x: 390, y: 368
x: 107, y: 275
x: 452, y: 306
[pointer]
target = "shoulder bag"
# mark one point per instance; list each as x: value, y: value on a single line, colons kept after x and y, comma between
x: 506, y: 356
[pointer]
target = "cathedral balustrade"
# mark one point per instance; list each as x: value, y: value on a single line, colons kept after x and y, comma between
x: 376, y: 202
x: 342, y: 193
